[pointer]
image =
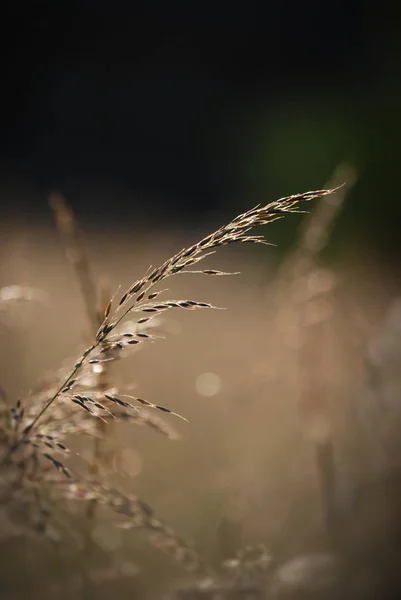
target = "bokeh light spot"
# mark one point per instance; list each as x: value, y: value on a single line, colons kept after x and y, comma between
x: 208, y: 384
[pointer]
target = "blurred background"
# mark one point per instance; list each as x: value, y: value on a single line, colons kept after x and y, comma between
x: 195, y: 109
x: 158, y: 122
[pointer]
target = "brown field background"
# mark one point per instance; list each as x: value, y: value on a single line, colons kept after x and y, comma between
x: 244, y: 470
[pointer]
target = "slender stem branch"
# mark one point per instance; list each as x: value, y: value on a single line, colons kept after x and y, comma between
x: 29, y: 428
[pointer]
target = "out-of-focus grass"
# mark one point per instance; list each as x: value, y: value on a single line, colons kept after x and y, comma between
x: 244, y: 457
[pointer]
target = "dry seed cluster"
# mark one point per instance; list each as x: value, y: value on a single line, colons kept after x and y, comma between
x: 136, y: 298
x: 38, y: 432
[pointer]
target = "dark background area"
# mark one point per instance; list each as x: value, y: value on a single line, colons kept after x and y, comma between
x: 180, y: 109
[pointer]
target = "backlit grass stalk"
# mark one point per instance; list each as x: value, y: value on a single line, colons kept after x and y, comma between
x: 68, y: 228
x: 74, y: 249
x: 307, y: 290
x: 141, y: 297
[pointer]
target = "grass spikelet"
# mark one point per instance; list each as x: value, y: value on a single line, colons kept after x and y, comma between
x: 140, y: 516
x: 81, y: 399
x: 235, y: 231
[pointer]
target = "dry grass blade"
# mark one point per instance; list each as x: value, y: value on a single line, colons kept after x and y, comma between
x: 143, y: 417
x: 140, y: 516
x: 68, y: 228
x: 146, y: 403
x: 303, y: 293
x: 315, y: 231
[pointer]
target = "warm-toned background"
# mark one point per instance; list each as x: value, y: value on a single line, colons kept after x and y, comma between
x: 158, y: 124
